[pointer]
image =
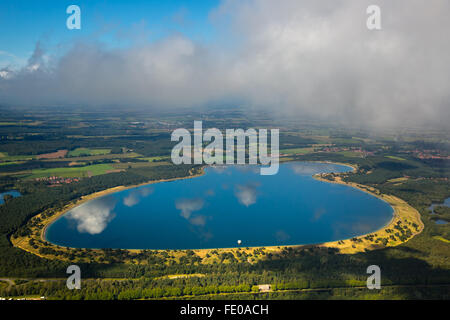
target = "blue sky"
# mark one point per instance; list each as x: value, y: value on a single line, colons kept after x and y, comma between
x: 24, y: 23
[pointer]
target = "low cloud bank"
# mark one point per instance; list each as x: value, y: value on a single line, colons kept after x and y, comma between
x: 303, y: 57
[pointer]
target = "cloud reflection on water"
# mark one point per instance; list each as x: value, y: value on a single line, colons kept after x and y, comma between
x: 93, y: 217
x: 318, y: 213
x: 247, y: 194
x: 282, y: 236
x: 187, y: 206
x: 197, y: 222
x: 220, y: 169
x: 135, y: 196
x: 308, y: 168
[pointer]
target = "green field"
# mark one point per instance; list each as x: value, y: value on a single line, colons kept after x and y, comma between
x: 297, y: 151
x: 10, y: 123
x: 88, y: 152
x: 350, y: 154
x: 101, y: 157
x: 4, y: 157
x: 8, y: 163
x: 151, y: 159
x: 92, y: 170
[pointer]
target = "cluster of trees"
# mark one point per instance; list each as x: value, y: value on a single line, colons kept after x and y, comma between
x: 161, y: 292
x: 317, y: 269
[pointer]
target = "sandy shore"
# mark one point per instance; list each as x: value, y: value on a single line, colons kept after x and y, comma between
x: 403, y: 213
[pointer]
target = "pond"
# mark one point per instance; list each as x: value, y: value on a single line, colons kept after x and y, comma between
x: 446, y: 203
x: 223, y: 206
x: 12, y: 193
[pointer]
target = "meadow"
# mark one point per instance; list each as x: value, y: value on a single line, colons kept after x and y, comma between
x: 72, y: 172
x: 87, y: 152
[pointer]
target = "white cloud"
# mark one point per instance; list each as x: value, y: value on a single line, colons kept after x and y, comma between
x: 305, y: 57
x: 5, y: 73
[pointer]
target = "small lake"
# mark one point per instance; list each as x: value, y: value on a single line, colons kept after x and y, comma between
x: 223, y: 206
x: 446, y: 203
x: 12, y: 193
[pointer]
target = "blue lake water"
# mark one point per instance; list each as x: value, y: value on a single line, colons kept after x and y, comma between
x: 223, y: 206
x: 13, y: 193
